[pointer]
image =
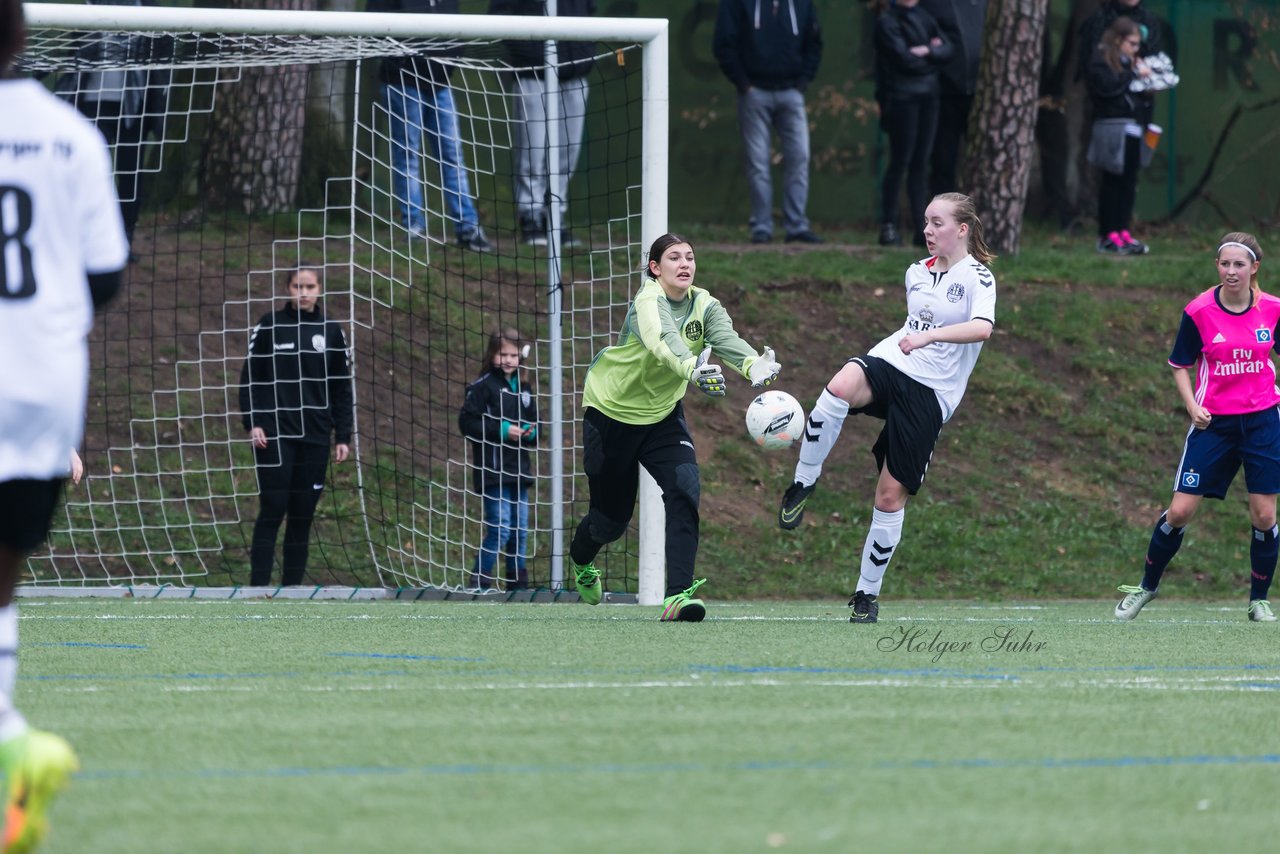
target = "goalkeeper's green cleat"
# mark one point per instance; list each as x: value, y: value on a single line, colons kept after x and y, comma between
x: 36, y: 767
x: 682, y: 607
x: 1260, y: 611
x: 587, y: 580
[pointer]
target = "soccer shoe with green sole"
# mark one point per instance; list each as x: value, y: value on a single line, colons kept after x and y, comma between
x: 36, y: 767
x: 1134, y: 598
x: 791, y: 510
x: 866, y: 608
x: 587, y: 580
x: 1260, y: 611
x: 683, y: 608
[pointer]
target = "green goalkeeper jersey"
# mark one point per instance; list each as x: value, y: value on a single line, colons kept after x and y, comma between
x: 640, y: 379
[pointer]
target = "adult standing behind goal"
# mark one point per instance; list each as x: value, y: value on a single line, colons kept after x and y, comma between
x: 1227, y: 338
x: 914, y: 380
x: 770, y: 51
x: 534, y: 194
x: 125, y: 97
x: 633, y: 417
x: 62, y: 247
x: 419, y: 102
x: 295, y: 393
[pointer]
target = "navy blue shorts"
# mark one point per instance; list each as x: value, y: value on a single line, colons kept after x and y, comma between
x: 1211, y: 457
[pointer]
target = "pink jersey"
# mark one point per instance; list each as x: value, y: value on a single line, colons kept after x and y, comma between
x: 1230, y: 352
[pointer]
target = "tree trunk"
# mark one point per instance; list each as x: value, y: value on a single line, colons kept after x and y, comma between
x: 1002, y: 125
x: 252, y: 154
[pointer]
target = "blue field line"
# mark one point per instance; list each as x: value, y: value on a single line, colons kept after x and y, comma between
x: 1085, y: 762
x: 403, y: 656
x: 625, y: 768
x: 1151, y: 668
x: 858, y: 671
x: 92, y: 645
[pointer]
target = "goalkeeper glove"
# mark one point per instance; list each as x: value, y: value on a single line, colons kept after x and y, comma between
x: 709, y: 378
x: 764, y: 369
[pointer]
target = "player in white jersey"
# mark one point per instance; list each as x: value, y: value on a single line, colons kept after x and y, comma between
x: 913, y: 379
x: 62, y: 247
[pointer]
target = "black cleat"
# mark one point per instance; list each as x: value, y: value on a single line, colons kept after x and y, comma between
x: 792, y: 509
x: 866, y: 608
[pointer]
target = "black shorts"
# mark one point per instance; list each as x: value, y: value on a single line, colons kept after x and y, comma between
x: 912, y: 421
x: 26, y: 509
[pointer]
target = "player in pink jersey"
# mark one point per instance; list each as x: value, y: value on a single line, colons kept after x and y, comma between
x: 1227, y: 337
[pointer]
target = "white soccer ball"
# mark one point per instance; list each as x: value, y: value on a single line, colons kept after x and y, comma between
x: 775, y: 420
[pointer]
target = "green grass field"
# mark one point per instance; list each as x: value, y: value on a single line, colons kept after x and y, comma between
x: 381, y: 726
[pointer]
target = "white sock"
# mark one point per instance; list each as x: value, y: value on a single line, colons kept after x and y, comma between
x: 12, y: 724
x: 882, y: 542
x: 820, y: 433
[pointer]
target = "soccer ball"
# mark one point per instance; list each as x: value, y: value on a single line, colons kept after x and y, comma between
x: 775, y: 420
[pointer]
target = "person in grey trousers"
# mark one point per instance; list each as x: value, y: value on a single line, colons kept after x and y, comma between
x: 530, y: 163
x: 770, y: 51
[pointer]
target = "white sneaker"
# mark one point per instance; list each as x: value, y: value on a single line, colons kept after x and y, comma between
x: 1134, y: 599
x: 1260, y: 611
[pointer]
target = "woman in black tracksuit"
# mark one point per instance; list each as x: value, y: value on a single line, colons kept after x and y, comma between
x: 295, y: 393
x: 500, y: 419
x: 910, y: 52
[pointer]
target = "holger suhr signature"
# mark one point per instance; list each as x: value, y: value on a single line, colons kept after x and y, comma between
x: 1010, y: 639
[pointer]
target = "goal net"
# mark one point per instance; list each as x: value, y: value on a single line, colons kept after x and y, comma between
x: 404, y: 160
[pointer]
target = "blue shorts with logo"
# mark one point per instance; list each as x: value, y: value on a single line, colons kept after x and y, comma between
x: 1211, y: 457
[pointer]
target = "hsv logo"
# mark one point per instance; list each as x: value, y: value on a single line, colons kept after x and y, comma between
x: 1264, y: 335
x: 1191, y: 479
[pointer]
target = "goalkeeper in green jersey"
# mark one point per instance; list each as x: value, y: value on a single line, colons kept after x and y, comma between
x: 634, y: 417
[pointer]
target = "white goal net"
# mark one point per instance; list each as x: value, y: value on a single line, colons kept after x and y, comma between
x: 250, y: 145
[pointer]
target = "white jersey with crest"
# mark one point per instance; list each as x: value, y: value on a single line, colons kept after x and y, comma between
x: 965, y: 292
x: 59, y: 222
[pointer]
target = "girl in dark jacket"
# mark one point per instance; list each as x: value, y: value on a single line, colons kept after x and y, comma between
x: 500, y: 418
x: 1116, y: 112
x: 295, y: 393
x: 910, y: 51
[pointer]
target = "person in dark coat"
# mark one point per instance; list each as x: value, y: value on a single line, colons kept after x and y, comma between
x: 125, y: 98
x: 770, y: 51
x: 961, y: 22
x: 500, y: 420
x: 1119, y: 117
x: 910, y: 52
x: 295, y: 395
x: 1095, y: 25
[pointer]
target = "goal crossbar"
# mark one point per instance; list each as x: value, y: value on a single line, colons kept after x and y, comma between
x: 372, y: 24
x: 651, y: 34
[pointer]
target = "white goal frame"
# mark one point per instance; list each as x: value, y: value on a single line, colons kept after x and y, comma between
x: 652, y: 34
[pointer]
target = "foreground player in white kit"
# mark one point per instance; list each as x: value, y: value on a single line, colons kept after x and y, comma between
x: 913, y: 379
x: 62, y: 247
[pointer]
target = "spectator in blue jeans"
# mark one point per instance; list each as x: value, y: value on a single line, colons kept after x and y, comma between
x: 419, y: 101
x: 910, y: 52
x: 770, y: 51
x: 500, y: 420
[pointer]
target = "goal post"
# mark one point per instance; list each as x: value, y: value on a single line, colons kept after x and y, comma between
x: 171, y: 492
